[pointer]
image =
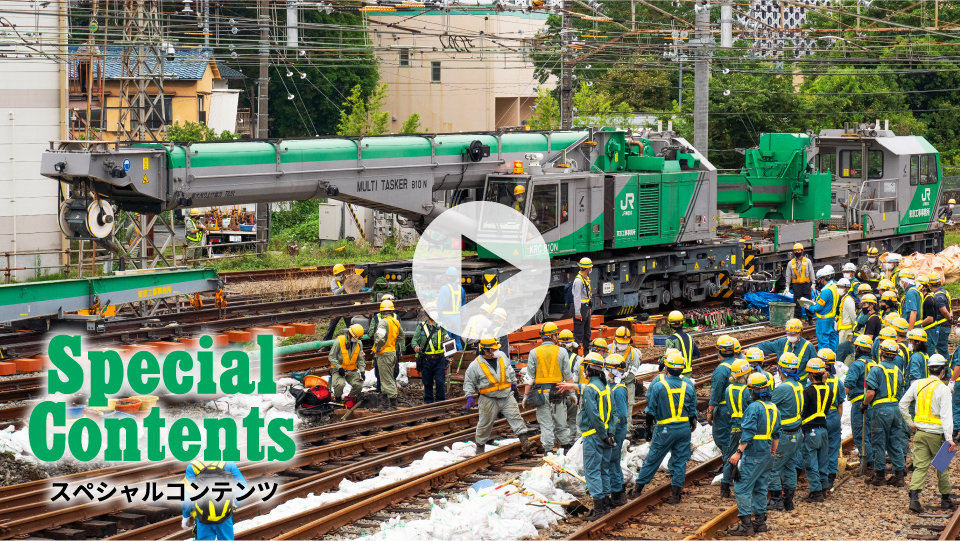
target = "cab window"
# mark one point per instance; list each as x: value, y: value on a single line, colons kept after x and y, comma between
x: 928, y: 169
x: 544, y: 207
x: 851, y: 164
x: 827, y: 161
x: 502, y: 190
x: 914, y: 170
x: 564, y: 202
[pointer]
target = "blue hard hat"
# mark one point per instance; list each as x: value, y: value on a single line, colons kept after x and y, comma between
x: 451, y: 271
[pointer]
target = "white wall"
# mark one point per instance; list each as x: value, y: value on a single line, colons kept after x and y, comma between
x: 30, y: 116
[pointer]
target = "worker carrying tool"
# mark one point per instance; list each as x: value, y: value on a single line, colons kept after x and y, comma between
x: 671, y: 417
x: 548, y: 365
x: 347, y: 362
x: 431, y: 362
x: 582, y: 294
x: 490, y: 376
x: 194, y: 229
x: 387, y: 341
x: 213, y: 511
x: 799, y: 280
x: 336, y: 283
x: 759, y: 441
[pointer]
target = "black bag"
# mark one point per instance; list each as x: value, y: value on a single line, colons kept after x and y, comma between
x: 534, y: 397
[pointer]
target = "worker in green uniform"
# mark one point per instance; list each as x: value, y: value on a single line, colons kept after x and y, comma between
x: 792, y: 342
x: 671, y: 415
x: 834, y: 414
x: 718, y: 414
x: 347, y: 362
x: 816, y: 401
x: 738, y: 398
x: 432, y: 364
x: 193, y: 229
x: 788, y: 397
x: 372, y: 330
x: 681, y: 341
x: 548, y: 365
x: 387, y: 341
x: 871, y: 271
x: 598, y: 440
x: 854, y: 385
x: 566, y: 341
x: 490, y: 377
x: 884, y: 390
x: 760, y: 433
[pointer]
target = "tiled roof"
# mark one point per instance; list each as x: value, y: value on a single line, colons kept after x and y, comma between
x: 226, y: 72
x: 189, y: 63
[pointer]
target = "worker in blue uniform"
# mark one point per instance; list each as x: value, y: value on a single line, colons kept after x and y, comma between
x: 884, y: 390
x: 954, y: 380
x: 834, y: 414
x: 943, y: 316
x: 911, y: 304
x: 718, y: 414
x: 816, y: 401
x: 792, y: 342
x: 854, y: 385
x: 598, y: 440
x: 919, y: 356
x: 616, y: 372
x: 213, y: 519
x: 788, y: 397
x: 825, y: 309
x: 672, y: 405
x: 738, y: 398
x: 760, y: 433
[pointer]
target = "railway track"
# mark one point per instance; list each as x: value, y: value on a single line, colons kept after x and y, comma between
x: 236, y: 277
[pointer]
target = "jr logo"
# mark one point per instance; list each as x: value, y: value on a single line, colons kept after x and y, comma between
x: 926, y: 196
x: 627, y: 202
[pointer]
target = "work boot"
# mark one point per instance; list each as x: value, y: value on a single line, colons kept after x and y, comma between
x: 775, y: 501
x: 896, y: 480
x: 879, y: 478
x: 618, y: 498
x: 760, y: 523
x: 744, y: 529
x: 636, y: 490
x: 724, y: 490
x: 525, y: 444
x: 601, y: 507
x: 788, y: 499
x: 393, y: 404
x: 480, y: 448
x: 674, y: 497
x: 915, y: 501
x: 830, y: 479
x: 815, y: 496
x: 946, y: 502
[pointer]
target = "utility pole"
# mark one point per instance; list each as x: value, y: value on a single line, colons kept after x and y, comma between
x: 566, y: 78
x: 263, y: 104
x: 701, y: 79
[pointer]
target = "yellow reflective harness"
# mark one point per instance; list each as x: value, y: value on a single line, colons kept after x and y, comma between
x: 798, y: 395
x: 822, y: 401
x: 604, y: 412
x: 676, y: 408
x: 771, y: 422
x: 348, y: 361
x: 494, y: 384
x: 891, y: 389
x: 735, y: 399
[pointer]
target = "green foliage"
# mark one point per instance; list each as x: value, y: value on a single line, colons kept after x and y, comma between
x: 412, y: 125
x: 594, y: 107
x: 193, y: 132
x: 299, y: 223
x: 362, y: 114
x: 344, y: 251
x: 639, y: 87
x: 546, y: 116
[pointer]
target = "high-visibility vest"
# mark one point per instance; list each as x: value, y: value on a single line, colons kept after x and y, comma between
x: 926, y: 367
x: 834, y: 298
x: 193, y: 232
x: 823, y: 398
x: 723, y: 400
x: 455, y: 295
x: 841, y: 326
x: 735, y: 399
x: 892, y: 386
x: 799, y: 268
x: 867, y: 364
x: 548, y: 364
x: 771, y: 422
x: 940, y: 320
x: 603, y: 399
x: 798, y: 396
x: 348, y: 361
x: 586, y: 286
x: 834, y: 385
x: 686, y: 349
x: 495, y: 385
x: 339, y: 283
x: 903, y: 301
x: 925, y: 389
x: 434, y: 346
x: 393, y: 330
x: 676, y: 407
x: 904, y: 352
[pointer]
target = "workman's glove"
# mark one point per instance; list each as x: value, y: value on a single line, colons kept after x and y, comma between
x: 609, y: 441
x: 342, y: 372
x: 786, y: 291
x: 471, y: 401
x: 418, y: 362
x: 516, y: 392
x: 693, y: 423
x: 185, y: 523
x: 523, y: 404
x: 863, y: 407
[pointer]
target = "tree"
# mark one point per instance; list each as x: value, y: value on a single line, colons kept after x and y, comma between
x: 412, y: 125
x: 362, y: 115
x: 546, y: 112
x: 596, y: 108
x: 192, y: 132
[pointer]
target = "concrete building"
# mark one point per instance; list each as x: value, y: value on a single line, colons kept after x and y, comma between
x: 33, y: 100
x: 461, y: 70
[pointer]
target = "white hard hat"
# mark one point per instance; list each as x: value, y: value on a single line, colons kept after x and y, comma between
x: 936, y: 360
x: 843, y: 282
x: 825, y: 271
x: 849, y: 267
x: 893, y: 258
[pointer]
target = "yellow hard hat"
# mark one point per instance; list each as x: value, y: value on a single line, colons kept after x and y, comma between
x: 889, y: 295
x: 519, y: 189
x: 622, y: 335
x: 675, y: 316
x: 901, y: 325
x: 549, y: 328
x: 922, y: 279
x: 908, y: 274
x: 674, y: 359
x: 356, y: 330
x: 816, y: 366
x: 889, y: 346
x: 757, y: 381
x: 194, y: 212
x: 868, y: 298
x: 887, y: 333
x: 585, y: 263
x: 565, y: 336
x: 935, y: 279
x: 863, y: 341
x: 827, y: 355
x: 593, y: 358
x: 489, y: 343
x: 725, y: 344
x: 736, y: 346
x: 873, y: 252
x: 952, y: 202
x: 599, y: 344
x: 386, y: 306
x: 863, y: 289
x: 615, y: 360
x: 338, y: 268
x: 789, y: 361
x: 917, y: 334
x: 793, y: 325
x: 754, y: 355
x: 886, y: 285
x: 797, y: 246
x: 740, y: 367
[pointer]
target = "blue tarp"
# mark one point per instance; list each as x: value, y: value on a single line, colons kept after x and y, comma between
x: 760, y: 300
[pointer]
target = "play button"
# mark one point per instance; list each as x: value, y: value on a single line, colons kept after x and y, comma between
x: 503, y: 232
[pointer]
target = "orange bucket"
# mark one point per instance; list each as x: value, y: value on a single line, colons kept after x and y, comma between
x: 128, y: 405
